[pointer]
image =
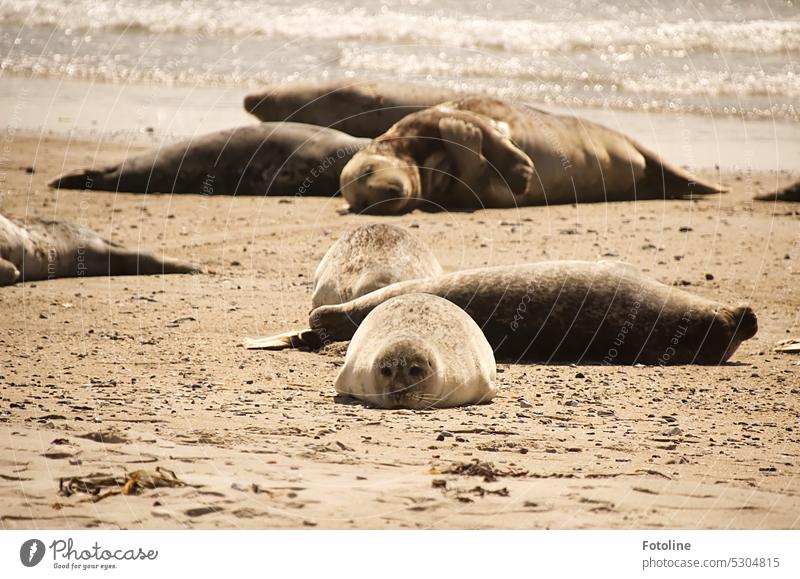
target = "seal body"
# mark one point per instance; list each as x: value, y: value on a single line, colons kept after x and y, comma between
x: 370, y: 257
x: 789, y: 193
x: 571, y: 311
x: 418, y: 351
x: 263, y: 159
x: 51, y: 249
x: 360, y: 108
x: 547, y: 159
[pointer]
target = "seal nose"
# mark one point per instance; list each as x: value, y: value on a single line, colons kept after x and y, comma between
x: 251, y: 102
x: 402, y: 375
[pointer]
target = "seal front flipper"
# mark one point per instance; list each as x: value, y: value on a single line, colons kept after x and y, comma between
x: 463, y: 142
x: 287, y: 341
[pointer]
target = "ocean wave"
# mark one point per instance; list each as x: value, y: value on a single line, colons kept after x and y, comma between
x: 477, y: 31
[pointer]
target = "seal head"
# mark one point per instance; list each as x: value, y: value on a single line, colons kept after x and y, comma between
x: 380, y: 184
x: 418, y: 351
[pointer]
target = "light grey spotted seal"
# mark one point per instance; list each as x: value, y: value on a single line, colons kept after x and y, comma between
x: 418, y: 351
x: 365, y: 258
x: 369, y: 257
x: 41, y: 250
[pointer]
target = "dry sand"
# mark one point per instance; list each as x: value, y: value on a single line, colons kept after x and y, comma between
x: 260, y: 439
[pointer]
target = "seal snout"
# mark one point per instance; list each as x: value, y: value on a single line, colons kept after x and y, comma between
x: 403, y: 371
x: 746, y: 322
x: 251, y: 102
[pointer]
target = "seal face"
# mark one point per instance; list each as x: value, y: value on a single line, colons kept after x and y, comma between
x: 572, y: 311
x: 418, y: 351
x: 43, y: 250
x: 264, y: 159
x: 500, y: 154
x: 369, y: 257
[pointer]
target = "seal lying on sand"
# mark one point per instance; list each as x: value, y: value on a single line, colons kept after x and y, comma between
x: 360, y: 108
x: 367, y: 258
x: 418, y: 351
x: 570, y: 311
x: 575, y: 161
x: 264, y: 159
x: 50, y: 249
x: 790, y: 193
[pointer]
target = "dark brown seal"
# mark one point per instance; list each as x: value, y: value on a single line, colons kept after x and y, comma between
x: 790, y: 193
x: 357, y: 107
x: 264, y: 159
x: 565, y: 160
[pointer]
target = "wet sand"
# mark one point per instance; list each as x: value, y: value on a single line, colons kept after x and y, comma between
x: 152, y: 370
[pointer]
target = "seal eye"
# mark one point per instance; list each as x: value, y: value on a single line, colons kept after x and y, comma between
x: 415, y: 371
x: 366, y: 172
x: 386, y: 371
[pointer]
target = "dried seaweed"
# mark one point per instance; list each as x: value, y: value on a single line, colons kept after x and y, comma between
x: 487, y: 470
x: 101, y: 485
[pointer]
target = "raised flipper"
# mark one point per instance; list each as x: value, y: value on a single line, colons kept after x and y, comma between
x: 463, y: 142
x: 9, y: 273
x: 476, y: 146
x: 292, y: 340
x: 490, y: 169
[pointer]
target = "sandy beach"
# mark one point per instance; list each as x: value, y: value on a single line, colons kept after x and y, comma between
x: 102, y: 377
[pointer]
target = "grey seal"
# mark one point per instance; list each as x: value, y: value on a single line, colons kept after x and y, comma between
x: 485, y: 152
x: 43, y: 250
x: 358, y: 107
x: 571, y: 311
x: 262, y: 159
x: 418, y: 351
x: 369, y: 257
x: 365, y: 258
x: 789, y: 193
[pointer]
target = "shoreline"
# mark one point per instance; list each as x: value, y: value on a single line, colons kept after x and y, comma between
x: 138, y: 114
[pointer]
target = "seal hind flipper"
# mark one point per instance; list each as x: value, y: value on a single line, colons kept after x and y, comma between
x: 790, y: 193
x: 124, y: 261
x: 100, y: 179
x: 291, y: 340
x: 665, y: 180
